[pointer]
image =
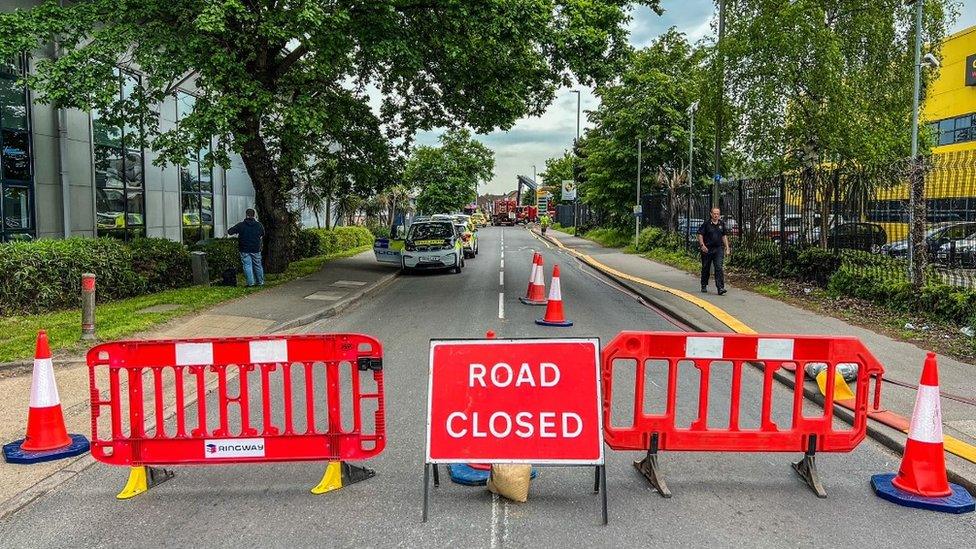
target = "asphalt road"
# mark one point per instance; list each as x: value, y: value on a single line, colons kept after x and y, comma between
x: 744, y: 500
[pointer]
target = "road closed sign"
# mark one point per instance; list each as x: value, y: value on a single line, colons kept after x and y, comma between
x: 515, y: 401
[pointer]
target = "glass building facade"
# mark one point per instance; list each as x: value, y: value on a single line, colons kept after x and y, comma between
x: 16, y: 159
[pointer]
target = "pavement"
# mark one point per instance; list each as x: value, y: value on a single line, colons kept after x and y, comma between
x: 902, y: 361
x: 343, y: 281
x: 728, y: 500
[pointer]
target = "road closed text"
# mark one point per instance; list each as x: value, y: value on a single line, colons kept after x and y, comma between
x: 531, y: 400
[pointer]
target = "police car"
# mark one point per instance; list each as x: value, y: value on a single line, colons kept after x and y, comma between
x: 433, y: 245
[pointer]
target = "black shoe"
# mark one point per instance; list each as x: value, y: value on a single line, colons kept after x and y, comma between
x: 704, y: 289
x: 723, y: 291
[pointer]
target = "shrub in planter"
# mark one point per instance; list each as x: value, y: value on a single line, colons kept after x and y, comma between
x: 222, y: 255
x: 163, y: 263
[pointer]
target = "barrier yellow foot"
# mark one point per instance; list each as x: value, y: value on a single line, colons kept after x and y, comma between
x: 339, y: 474
x: 841, y: 390
x: 142, y: 478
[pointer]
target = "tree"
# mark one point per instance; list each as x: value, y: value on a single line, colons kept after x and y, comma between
x: 447, y: 177
x: 274, y: 78
x: 558, y: 169
x: 824, y: 83
x: 649, y: 102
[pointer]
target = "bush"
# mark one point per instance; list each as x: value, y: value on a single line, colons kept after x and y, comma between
x: 650, y: 237
x: 378, y: 230
x: 611, y: 238
x: 307, y: 244
x: 341, y: 239
x: 46, y: 274
x: 813, y: 264
x: 164, y: 264
x: 222, y: 254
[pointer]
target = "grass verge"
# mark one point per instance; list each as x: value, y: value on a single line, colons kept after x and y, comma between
x: 119, y: 319
x: 611, y: 238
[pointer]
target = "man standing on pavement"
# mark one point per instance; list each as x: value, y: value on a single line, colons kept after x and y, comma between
x: 545, y: 223
x: 249, y: 234
x: 713, y: 242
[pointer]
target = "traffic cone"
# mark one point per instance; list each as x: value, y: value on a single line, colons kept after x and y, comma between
x: 536, y: 294
x: 921, y: 481
x: 47, y: 438
x: 554, y: 309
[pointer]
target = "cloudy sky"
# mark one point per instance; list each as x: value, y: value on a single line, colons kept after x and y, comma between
x: 532, y: 140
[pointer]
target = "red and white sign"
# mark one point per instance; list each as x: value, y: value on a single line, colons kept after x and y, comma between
x: 515, y: 401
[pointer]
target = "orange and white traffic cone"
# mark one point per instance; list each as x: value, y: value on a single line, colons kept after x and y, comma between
x: 554, y: 309
x: 47, y: 438
x: 536, y: 294
x: 921, y: 481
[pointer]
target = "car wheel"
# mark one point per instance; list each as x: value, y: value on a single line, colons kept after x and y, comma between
x: 403, y: 267
x: 458, y: 264
x: 475, y: 248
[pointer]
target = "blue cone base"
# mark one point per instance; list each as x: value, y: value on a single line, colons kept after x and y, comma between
x: 469, y: 476
x: 544, y: 322
x: 13, y: 454
x: 960, y: 501
x: 531, y: 302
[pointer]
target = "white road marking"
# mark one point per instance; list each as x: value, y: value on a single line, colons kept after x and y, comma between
x: 501, y: 305
x: 502, y: 264
x: 495, y: 524
x: 501, y: 278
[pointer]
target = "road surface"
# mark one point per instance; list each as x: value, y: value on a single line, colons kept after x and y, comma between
x: 744, y: 500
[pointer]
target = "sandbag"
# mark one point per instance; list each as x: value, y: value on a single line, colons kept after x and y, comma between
x: 511, y: 481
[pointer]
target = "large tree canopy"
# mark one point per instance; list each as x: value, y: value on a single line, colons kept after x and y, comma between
x: 825, y: 80
x: 283, y: 83
x: 447, y: 177
x: 648, y: 102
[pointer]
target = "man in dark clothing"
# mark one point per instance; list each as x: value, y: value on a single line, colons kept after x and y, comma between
x: 249, y: 234
x: 713, y: 242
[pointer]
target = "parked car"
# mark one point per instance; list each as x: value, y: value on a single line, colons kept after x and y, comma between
x: 689, y: 228
x: 432, y: 245
x: 867, y: 237
x: 935, y: 237
x: 958, y: 253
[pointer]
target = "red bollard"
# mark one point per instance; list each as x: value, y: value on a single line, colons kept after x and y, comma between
x: 88, y: 306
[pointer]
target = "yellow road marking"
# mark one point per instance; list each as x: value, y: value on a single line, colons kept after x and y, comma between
x: 724, y: 317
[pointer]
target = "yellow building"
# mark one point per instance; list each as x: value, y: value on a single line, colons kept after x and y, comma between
x: 950, y: 103
x: 949, y: 115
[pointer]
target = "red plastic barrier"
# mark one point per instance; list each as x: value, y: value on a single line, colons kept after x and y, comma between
x: 295, y: 376
x: 771, y: 353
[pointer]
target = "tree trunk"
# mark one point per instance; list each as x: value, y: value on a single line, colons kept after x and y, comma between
x: 271, y: 197
x: 328, y: 213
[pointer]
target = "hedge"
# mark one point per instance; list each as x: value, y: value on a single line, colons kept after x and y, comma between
x: 341, y: 239
x: 45, y: 275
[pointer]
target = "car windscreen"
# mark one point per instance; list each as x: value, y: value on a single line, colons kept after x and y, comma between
x: 461, y: 229
x: 430, y: 231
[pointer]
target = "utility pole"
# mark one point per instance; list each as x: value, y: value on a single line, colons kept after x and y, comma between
x: 691, y: 160
x: 915, y: 163
x: 718, y: 105
x: 637, y: 208
x: 576, y: 143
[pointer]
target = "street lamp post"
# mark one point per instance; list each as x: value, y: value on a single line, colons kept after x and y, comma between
x: 692, y: 109
x: 916, y: 91
x: 575, y: 183
x: 718, y: 109
x: 637, y: 208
